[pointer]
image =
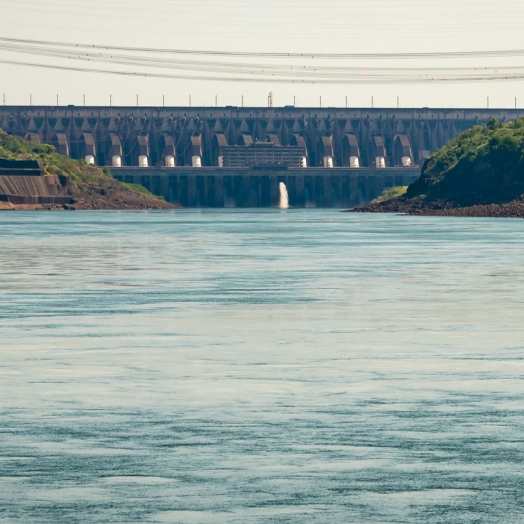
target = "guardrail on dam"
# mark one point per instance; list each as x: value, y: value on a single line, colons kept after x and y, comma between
x: 235, y: 156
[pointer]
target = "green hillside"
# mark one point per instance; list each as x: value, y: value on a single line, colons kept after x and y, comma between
x: 482, y: 165
x: 16, y: 148
x: 90, y: 187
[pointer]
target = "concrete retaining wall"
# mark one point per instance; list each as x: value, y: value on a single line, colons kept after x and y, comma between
x: 33, y: 190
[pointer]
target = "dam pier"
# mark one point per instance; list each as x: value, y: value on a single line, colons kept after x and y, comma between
x: 238, y: 157
x: 254, y: 187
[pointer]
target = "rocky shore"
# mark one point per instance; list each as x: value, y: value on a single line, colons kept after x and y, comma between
x: 512, y: 209
x: 109, y: 196
x: 117, y: 197
x: 121, y: 201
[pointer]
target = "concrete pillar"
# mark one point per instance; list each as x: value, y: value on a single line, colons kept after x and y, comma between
x: 353, y: 190
x: 200, y: 191
x: 259, y: 192
x: 376, y: 185
x: 250, y: 191
x: 183, y: 190
x: 165, y: 187
x: 291, y: 185
x: 229, y: 197
x: 238, y: 190
x: 265, y: 200
x: 191, y: 191
x: 309, y: 189
x: 336, y: 186
x: 219, y: 191
x: 344, y: 191
x: 300, y: 193
x: 172, y: 188
x: 156, y: 185
x: 274, y: 192
x: 362, y: 193
x: 209, y: 190
x: 327, y: 190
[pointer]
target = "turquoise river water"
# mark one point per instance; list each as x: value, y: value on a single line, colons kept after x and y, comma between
x: 301, y: 366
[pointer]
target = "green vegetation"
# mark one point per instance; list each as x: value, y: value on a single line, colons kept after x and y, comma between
x: 16, y: 148
x: 141, y: 190
x: 484, y: 164
x: 389, y: 193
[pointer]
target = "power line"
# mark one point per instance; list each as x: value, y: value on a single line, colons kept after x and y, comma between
x: 317, y: 70
x: 312, y: 68
x: 345, y: 81
x: 250, y: 54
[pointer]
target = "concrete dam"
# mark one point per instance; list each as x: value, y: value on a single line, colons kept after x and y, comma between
x: 238, y: 157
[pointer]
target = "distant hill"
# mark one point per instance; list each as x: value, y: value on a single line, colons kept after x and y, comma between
x: 90, y: 187
x: 479, y: 173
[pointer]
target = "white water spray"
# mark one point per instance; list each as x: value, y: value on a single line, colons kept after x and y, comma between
x: 284, y: 197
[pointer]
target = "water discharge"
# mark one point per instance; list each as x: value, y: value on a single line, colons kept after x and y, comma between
x: 284, y: 197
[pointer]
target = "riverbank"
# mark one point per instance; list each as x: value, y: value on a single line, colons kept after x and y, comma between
x: 512, y: 209
x: 36, y: 177
x: 480, y: 173
x: 81, y: 196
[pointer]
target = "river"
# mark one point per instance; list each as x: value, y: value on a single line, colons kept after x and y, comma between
x: 294, y: 366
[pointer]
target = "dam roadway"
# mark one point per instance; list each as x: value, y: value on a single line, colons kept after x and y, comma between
x: 233, y: 156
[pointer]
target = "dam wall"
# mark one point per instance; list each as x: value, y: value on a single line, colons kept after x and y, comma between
x: 252, y: 187
x: 238, y: 156
x: 208, y: 136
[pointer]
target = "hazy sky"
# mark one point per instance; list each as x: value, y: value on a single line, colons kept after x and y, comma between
x: 327, y: 26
